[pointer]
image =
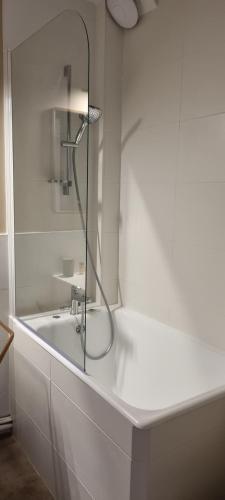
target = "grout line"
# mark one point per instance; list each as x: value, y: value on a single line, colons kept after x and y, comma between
x: 173, y: 242
x: 58, y: 232
x: 90, y: 420
x: 52, y: 447
x: 200, y: 117
x: 182, y: 182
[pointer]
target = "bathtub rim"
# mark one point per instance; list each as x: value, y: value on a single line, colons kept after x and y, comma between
x: 140, y: 418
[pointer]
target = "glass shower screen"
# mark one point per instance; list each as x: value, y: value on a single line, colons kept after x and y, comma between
x: 50, y: 89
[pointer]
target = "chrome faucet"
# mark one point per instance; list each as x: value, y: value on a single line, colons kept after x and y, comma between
x: 77, y: 298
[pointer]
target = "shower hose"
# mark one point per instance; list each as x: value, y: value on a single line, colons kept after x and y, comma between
x: 82, y: 337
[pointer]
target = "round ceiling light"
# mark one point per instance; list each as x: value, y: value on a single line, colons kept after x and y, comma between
x: 124, y: 12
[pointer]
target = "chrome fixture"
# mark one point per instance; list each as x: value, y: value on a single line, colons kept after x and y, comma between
x: 68, y: 144
x: 103, y: 354
x: 77, y: 298
x: 66, y: 182
x: 78, y: 301
x: 91, y: 117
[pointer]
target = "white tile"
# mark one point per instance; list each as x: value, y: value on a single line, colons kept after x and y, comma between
x: 151, y: 97
x: 155, y: 212
x: 197, y: 297
x: 112, y: 76
x: 66, y: 484
x: 148, y: 210
x: 32, y: 392
x: 110, y: 244
x: 204, y: 27
x: 203, y: 84
x: 35, y: 92
x: 150, y: 295
x: 34, y: 299
x: 31, y: 350
x: 58, y: 477
x: 110, y: 207
x: 117, y: 427
x: 31, y: 214
x: 150, y: 154
x: 39, y: 255
x: 129, y: 202
x: 101, y: 466
x: 112, y: 154
x: 202, y: 150
x: 146, y: 248
x: 111, y: 289
x: 200, y: 215
x: 50, y: 295
x: 127, y: 258
x: 161, y: 35
x: 26, y: 259
x: 38, y: 258
x: 36, y: 446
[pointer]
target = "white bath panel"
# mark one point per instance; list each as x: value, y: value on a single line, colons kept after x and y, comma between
x: 99, y: 463
x: 32, y: 392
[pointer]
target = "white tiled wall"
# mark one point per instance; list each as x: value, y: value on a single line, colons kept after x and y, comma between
x: 39, y: 248
x: 38, y: 259
x: 172, y: 240
x: 38, y: 87
x: 47, y: 235
x: 4, y: 309
x: 109, y: 158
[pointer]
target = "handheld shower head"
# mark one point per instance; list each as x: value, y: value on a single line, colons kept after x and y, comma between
x: 93, y: 115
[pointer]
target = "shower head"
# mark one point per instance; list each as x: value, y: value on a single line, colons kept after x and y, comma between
x: 93, y: 115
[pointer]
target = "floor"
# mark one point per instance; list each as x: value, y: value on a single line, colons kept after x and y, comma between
x: 18, y: 479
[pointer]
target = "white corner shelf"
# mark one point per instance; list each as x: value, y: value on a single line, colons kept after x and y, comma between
x: 75, y: 280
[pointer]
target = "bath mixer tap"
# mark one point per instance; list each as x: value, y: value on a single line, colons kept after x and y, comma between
x: 77, y: 298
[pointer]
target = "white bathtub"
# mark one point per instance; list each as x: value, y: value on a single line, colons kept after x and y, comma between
x: 156, y: 402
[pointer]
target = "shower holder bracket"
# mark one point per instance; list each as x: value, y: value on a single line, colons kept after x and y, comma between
x: 60, y: 181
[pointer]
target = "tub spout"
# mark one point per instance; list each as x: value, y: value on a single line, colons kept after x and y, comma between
x: 78, y: 297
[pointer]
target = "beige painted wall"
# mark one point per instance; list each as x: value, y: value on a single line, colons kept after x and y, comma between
x: 172, y: 244
x: 2, y: 193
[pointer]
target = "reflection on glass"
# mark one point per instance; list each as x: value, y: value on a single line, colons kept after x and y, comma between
x: 50, y: 103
